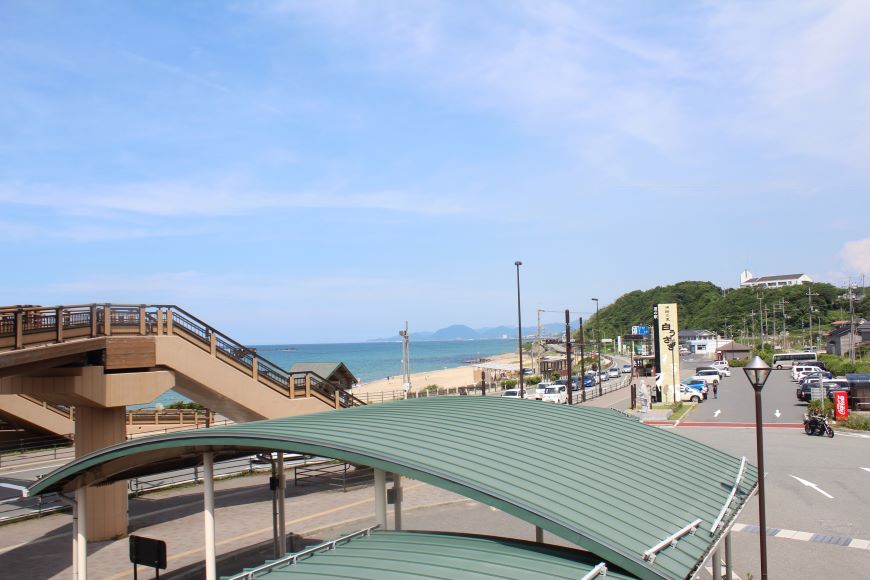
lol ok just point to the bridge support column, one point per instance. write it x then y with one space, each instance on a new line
80 534
208 500
106 505
397 502
729 564
717 564
282 492
381 498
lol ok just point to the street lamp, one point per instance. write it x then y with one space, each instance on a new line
520 333
598 341
757 372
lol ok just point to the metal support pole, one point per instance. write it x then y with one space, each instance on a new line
81 538
520 333
582 365
276 550
729 563
208 500
381 498
717 565
570 388
282 485
762 520
397 504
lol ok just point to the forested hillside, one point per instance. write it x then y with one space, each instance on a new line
703 305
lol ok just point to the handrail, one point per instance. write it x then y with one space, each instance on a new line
671 540
61 410
19 322
731 495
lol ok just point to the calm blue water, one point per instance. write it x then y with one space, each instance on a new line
371 361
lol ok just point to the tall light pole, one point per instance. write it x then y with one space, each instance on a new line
598 340
757 372
520 333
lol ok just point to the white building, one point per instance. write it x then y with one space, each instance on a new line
748 280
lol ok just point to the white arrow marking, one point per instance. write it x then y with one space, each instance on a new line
777 414
866 468
814 486
716 414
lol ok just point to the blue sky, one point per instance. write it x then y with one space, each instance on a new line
323 171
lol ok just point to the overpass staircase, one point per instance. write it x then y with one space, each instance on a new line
209 366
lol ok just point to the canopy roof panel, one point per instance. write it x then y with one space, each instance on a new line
593 476
402 555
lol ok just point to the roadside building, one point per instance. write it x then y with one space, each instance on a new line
747 280
841 340
734 350
334 372
701 341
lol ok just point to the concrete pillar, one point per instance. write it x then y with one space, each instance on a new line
58 319
337 396
208 500
539 534
212 343
282 486
291 387
81 534
19 329
169 321
106 504
307 386
93 320
381 498
107 319
142 315
717 565
255 369
729 563
397 505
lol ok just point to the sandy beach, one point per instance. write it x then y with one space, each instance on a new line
444 378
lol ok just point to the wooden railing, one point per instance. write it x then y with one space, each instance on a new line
26 326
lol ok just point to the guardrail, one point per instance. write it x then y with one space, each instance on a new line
26 326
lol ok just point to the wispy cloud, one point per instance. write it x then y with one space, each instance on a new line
179 198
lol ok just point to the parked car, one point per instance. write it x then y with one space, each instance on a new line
537 392
802 368
626 369
690 395
512 393
711 377
696 384
723 368
613 372
832 385
556 394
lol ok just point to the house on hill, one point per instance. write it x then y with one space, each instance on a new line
747 280
334 372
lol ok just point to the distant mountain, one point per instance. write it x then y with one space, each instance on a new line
463 332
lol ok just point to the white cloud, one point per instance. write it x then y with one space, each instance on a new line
856 255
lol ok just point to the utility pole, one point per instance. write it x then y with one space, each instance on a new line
851 324
406 359
810 295
752 318
761 318
570 386
783 322
582 364
539 323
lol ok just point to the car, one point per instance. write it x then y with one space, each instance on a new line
690 395
684 351
723 368
711 376
556 394
613 372
698 385
603 376
537 392
511 393
802 368
595 377
268 458
626 369
588 381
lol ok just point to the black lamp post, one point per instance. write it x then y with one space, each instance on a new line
520 324
757 372
598 341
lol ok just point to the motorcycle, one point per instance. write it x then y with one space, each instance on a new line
817 425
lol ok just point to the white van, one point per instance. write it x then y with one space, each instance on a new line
798 369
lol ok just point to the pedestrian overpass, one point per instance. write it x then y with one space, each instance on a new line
99 358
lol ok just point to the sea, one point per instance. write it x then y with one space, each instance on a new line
370 361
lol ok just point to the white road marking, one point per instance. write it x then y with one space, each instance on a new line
710 571
813 485
859 435
716 414
777 414
866 468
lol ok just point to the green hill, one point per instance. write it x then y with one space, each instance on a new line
703 305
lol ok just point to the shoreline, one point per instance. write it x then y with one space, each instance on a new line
449 377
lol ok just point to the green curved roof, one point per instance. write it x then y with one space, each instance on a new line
422 555
592 476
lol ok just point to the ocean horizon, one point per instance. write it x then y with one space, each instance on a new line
371 361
